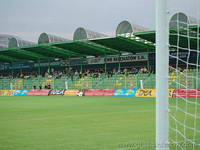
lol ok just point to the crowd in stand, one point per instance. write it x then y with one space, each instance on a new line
72 73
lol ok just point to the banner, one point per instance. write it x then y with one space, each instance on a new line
117 59
151 93
127 58
98 60
38 93
6 92
146 93
16 66
20 92
46 64
56 92
99 92
109 92
125 92
73 92
187 93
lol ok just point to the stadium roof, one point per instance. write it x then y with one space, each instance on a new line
71 49
176 37
139 42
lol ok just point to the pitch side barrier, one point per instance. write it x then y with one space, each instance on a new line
173 93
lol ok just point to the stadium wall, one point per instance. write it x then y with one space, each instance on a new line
173 93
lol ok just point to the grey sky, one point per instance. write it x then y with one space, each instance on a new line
28 18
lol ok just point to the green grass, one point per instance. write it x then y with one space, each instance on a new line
75 123
185 123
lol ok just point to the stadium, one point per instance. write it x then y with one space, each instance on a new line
97 92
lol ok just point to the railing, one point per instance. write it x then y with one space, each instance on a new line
103 82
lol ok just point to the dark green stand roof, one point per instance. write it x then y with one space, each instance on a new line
140 42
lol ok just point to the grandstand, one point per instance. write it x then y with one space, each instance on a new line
91 59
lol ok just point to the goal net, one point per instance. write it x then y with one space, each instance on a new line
184 77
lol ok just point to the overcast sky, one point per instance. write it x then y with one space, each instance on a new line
28 18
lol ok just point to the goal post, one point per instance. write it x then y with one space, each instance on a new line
178 69
162 65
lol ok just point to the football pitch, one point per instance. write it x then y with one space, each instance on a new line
76 123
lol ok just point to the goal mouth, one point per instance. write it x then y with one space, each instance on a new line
184 76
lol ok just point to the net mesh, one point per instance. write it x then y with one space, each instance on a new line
184 77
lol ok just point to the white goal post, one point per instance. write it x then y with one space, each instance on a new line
178 68
162 65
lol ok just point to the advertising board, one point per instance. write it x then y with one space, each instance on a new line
187 93
99 92
73 92
56 92
125 92
6 92
20 92
38 93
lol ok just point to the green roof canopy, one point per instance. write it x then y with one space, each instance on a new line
96 47
124 44
185 38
